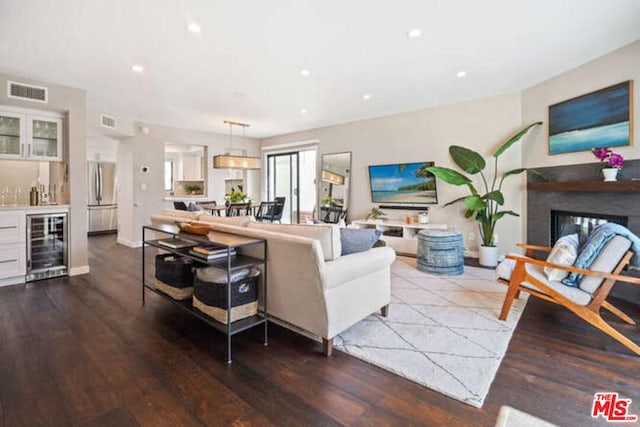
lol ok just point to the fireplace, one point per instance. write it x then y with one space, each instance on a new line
564 223
584 204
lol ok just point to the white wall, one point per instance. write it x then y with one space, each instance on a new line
615 67
101 148
148 150
72 103
425 135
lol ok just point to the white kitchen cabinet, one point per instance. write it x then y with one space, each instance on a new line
44 136
13 254
12 135
30 135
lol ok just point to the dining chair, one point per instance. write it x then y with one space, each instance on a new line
331 214
266 211
210 203
279 208
238 209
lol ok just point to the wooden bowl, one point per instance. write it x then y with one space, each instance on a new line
195 229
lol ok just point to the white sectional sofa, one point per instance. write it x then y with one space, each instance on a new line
311 286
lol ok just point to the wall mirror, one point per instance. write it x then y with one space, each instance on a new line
335 184
185 169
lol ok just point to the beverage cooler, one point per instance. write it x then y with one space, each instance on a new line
47 243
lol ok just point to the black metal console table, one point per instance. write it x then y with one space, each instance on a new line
229 263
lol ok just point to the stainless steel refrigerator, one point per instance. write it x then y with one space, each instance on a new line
101 200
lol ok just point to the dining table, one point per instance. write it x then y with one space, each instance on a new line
222 208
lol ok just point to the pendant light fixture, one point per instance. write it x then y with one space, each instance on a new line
332 177
231 161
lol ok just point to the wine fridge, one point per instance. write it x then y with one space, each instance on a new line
47 244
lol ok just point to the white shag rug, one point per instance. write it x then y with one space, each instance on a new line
442 331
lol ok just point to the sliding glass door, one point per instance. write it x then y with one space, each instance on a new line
292 175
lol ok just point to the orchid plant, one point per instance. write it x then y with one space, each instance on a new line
606 154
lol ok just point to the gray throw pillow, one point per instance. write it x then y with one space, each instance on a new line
358 239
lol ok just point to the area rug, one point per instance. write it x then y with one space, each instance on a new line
442 331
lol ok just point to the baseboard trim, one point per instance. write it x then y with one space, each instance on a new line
18 280
77 271
129 243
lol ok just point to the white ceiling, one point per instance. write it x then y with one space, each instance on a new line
245 64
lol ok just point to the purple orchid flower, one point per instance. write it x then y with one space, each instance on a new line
605 154
601 153
616 161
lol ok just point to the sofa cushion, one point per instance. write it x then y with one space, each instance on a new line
327 234
358 240
178 214
240 221
564 252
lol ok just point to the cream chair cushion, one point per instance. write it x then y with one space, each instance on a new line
578 296
608 258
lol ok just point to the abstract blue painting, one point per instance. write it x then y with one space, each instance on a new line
597 119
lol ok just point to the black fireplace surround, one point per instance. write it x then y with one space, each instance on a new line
610 205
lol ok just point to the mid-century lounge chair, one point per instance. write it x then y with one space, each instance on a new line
585 301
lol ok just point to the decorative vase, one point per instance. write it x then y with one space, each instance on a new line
488 256
610 174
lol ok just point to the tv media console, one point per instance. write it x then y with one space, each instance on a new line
399 235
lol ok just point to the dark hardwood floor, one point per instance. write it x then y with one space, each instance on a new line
82 351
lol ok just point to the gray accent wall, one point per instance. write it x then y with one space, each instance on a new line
540 203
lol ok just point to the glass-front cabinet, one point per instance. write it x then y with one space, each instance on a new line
30 136
46 138
11 135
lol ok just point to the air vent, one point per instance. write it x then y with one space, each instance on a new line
108 121
27 92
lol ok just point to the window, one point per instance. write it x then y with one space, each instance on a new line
168 175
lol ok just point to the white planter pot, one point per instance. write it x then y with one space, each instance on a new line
488 256
610 174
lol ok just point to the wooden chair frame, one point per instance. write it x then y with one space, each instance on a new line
589 313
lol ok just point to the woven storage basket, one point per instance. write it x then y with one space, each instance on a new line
211 297
174 276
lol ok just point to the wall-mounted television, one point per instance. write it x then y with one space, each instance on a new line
403 184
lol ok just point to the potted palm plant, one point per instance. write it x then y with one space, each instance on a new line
375 214
484 208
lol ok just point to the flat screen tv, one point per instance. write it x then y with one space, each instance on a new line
403 184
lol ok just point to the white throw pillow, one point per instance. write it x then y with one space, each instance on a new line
564 252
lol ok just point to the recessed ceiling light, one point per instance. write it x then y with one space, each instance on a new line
305 73
461 74
137 68
303 111
194 27
414 33
366 96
